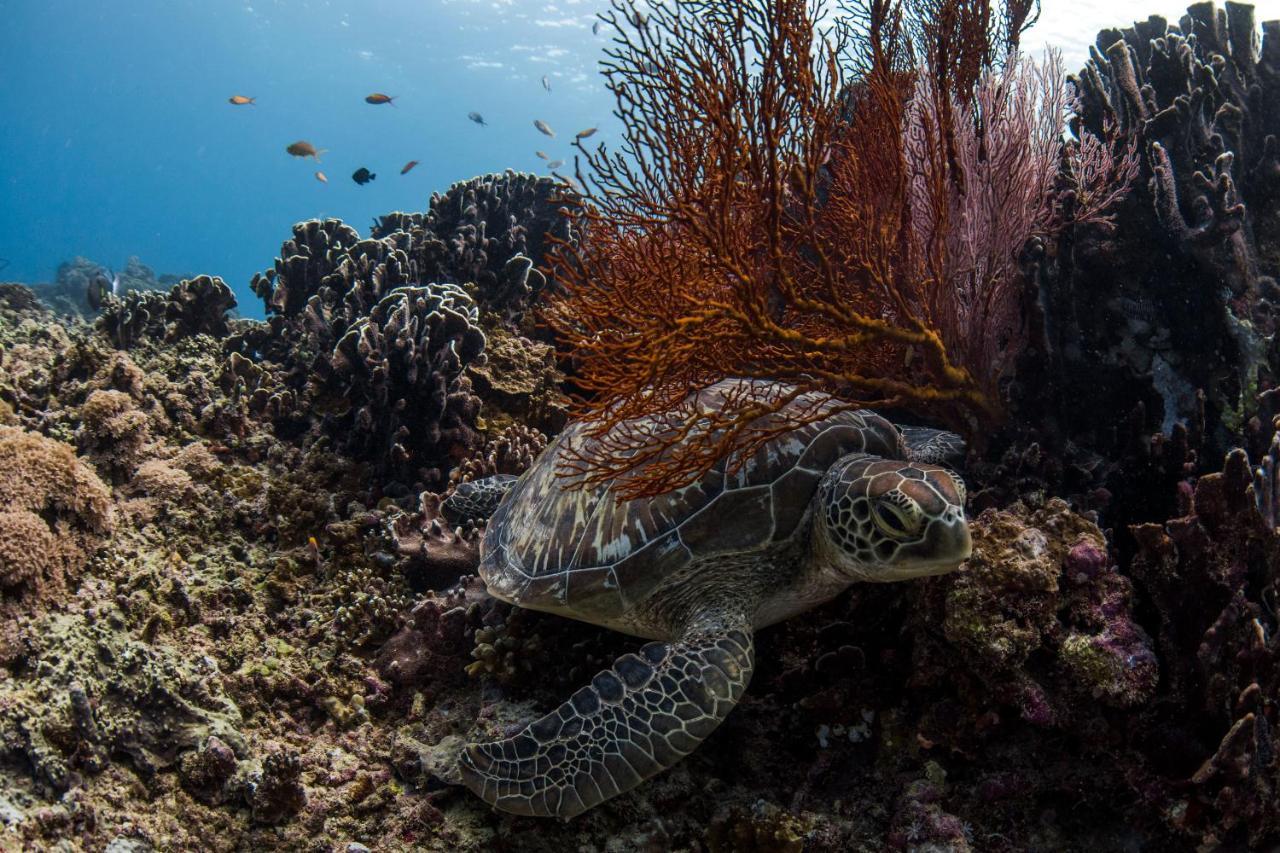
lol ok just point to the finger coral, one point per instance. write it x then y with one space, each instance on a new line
191 307
394 381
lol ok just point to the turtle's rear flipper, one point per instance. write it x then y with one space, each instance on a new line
634 720
476 500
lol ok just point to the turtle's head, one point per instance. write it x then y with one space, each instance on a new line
886 520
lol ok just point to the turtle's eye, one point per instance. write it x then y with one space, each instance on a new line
896 520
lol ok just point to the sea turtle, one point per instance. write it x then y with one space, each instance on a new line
848 497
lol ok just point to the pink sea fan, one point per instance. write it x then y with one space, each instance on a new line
975 203
1099 172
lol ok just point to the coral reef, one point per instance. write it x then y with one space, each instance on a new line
192 307
238 608
1186 329
68 294
394 386
54 515
381 335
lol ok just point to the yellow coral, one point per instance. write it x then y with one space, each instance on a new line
56 512
45 476
26 548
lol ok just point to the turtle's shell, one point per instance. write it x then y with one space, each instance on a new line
577 551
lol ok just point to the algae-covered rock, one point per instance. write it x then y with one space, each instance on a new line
765 828
89 693
1041 616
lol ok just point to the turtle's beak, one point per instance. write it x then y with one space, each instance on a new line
946 544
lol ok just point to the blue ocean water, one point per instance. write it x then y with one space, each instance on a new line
116 137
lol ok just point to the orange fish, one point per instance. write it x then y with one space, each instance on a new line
408 166
583 134
240 100
379 98
321 178
302 148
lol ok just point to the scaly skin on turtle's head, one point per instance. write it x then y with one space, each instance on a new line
887 520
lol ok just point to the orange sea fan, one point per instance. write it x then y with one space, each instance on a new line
763 219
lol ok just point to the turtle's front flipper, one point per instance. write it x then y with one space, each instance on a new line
933 446
634 720
476 500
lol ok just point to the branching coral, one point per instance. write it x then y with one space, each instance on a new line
394 381
192 307
756 223
1196 103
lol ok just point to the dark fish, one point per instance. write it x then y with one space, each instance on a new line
595 28
583 134
555 164
362 176
379 98
477 118
543 127
408 166
302 148
240 100
100 287
542 154
546 83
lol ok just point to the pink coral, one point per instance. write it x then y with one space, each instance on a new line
1006 153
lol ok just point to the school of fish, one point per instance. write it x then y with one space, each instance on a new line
362 176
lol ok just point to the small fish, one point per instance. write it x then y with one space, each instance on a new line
362 176
569 182
240 100
555 164
595 28
379 98
546 83
543 127
641 19
542 154
408 166
477 118
302 148
583 134
320 176
100 287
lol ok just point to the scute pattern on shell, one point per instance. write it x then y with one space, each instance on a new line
573 550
